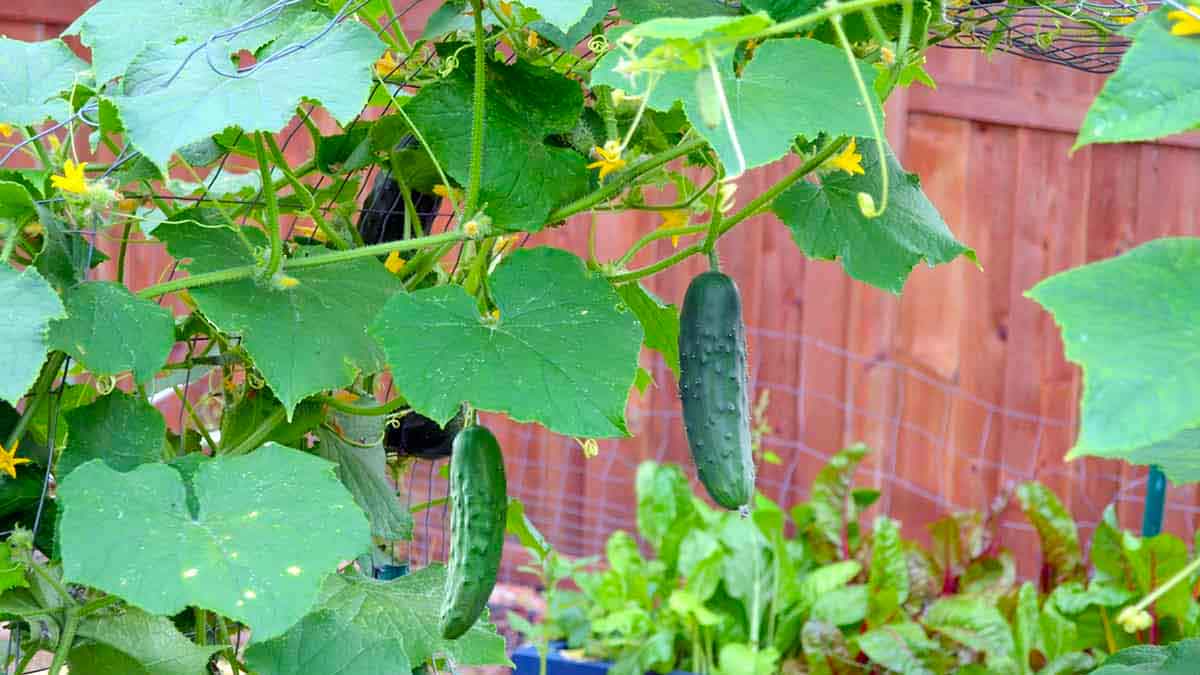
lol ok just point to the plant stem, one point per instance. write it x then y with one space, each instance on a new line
201 626
768 196
271 223
366 411
246 271
98 604
259 435
614 188
231 651
478 109
65 641
655 236
123 251
195 417
40 570
40 389
304 193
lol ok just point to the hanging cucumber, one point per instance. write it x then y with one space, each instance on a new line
713 388
478 506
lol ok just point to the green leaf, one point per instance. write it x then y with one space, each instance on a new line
1073 597
563 352
843 606
974 622
66 256
742 659
289 333
897 647
124 431
16 206
568 39
782 10
141 643
201 102
659 320
115 40
1155 91
640 11
12 572
1154 560
827 223
256 406
524 176
991 577
1026 622
1056 531
1179 658
562 14
30 303
767 113
367 626
517 523
1128 323
110 330
363 470
824 645
33 76
746 570
665 512
832 510
826 579
216 558
887 582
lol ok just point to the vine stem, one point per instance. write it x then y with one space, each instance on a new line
478 109
750 209
40 389
614 188
65 641
366 411
246 271
272 219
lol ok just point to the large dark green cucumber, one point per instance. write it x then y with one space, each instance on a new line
713 388
478 506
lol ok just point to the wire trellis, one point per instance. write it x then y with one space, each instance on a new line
1085 35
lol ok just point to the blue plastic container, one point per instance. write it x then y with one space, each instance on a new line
527 663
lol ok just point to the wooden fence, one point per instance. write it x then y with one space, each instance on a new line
960 384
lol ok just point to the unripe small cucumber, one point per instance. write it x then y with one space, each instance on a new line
713 388
478 506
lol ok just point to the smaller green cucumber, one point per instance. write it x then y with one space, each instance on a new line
478 507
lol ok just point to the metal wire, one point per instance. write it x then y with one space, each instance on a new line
1085 35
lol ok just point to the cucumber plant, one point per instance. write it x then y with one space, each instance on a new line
284 311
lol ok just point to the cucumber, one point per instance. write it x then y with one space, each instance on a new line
478 507
713 388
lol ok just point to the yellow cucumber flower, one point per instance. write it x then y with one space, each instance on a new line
386 65
72 179
394 262
610 159
673 219
506 8
1183 23
9 459
848 160
6 130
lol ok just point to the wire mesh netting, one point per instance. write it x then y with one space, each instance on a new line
1085 35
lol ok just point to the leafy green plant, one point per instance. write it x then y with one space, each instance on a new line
820 593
